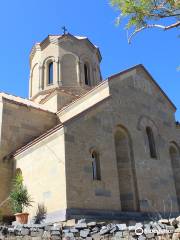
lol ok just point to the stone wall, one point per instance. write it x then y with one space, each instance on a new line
43 170
135 103
163 229
178 133
19 125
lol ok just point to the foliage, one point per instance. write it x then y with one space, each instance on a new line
40 214
143 14
19 197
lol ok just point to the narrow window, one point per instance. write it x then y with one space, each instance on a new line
96 166
86 74
50 74
152 146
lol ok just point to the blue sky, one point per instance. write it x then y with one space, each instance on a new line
22 23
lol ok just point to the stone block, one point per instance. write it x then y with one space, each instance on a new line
91 224
170 228
46 235
95 230
114 229
149 235
177 230
11 230
104 230
55 232
84 233
70 222
36 234
25 231
96 236
55 228
164 221
2 237
80 225
69 235
122 227
55 237
125 233
138 225
141 237
131 228
178 219
74 230
176 236
48 227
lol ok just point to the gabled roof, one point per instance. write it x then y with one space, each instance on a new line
111 78
24 101
150 76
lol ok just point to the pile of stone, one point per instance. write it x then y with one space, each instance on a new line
156 230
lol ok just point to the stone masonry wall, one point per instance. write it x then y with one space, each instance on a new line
131 107
164 229
20 124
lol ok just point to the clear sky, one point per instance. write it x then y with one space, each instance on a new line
22 23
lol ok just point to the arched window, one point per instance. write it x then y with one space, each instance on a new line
86 74
96 166
50 73
151 141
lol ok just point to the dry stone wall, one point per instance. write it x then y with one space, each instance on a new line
154 230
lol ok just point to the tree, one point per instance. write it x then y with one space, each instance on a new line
144 14
19 196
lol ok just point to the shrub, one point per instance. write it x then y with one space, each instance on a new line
19 197
40 214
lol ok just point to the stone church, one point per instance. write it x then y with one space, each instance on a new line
86 146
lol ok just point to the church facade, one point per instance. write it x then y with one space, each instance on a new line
87 146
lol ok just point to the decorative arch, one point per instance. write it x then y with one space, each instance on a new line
126 170
174 152
150 133
48 60
34 79
48 70
145 121
69 70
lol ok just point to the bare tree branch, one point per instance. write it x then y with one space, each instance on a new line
165 28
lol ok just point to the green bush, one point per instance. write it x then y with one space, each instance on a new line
19 197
